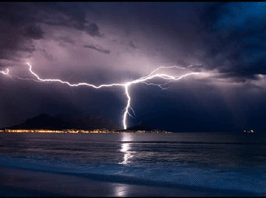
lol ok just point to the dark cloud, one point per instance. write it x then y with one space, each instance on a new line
63 14
34 32
13 45
66 39
188 27
131 44
21 24
234 40
18 30
196 68
17 14
224 39
97 48
212 13
228 37
93 30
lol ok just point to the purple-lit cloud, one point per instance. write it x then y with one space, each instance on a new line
115 42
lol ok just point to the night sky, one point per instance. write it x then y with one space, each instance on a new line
118 42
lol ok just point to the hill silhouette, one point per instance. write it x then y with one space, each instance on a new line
140 126
60 122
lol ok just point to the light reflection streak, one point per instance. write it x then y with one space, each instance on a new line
127 154
121 191
125 147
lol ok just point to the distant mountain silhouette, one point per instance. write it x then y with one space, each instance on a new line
60 122
140 126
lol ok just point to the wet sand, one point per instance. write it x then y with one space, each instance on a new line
23 182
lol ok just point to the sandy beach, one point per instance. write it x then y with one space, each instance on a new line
23 182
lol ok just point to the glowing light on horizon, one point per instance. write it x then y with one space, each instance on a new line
125 85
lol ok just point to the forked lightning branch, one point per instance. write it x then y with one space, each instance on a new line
125 85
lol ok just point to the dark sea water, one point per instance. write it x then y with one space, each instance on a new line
214 160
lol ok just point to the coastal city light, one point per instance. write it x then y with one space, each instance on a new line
76 131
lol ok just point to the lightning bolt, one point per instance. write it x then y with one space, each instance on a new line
5 73
125 85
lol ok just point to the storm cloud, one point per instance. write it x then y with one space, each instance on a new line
97 48
224 36
116 42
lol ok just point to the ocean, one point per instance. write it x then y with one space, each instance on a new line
216 161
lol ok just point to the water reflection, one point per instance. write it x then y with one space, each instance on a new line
121 190
125 147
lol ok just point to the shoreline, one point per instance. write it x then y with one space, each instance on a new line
77 131
26 182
